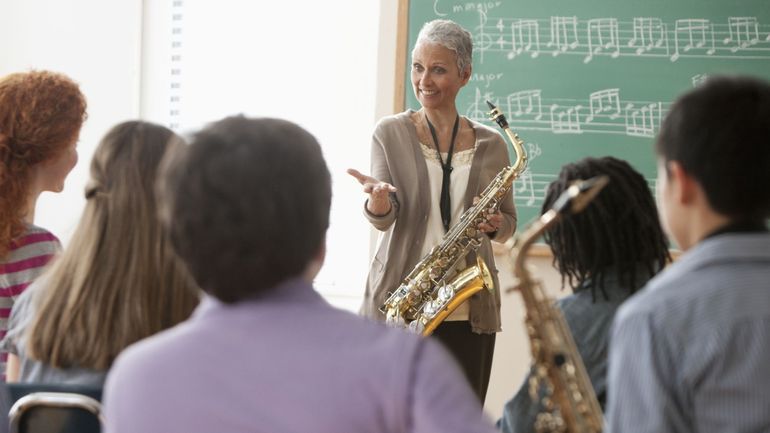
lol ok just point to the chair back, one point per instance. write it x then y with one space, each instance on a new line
45 408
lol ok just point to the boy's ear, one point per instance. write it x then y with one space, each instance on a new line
685 187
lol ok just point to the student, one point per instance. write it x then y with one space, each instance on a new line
41 113
247 207
115 283
689 353
592 252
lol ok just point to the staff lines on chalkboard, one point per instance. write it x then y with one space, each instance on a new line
530 189
740 38
603 112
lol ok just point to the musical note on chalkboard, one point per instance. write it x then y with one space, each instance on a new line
525 37
565 120
525 102
563 35
604 101
649 34
744 32
602 36
697 33
642 121
525 190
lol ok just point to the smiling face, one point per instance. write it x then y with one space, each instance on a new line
436 80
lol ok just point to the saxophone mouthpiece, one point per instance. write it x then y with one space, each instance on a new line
575 198
497 115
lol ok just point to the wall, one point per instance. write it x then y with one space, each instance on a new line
265 59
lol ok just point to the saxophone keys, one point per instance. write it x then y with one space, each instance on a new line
416 326
431 308
435 273
413 297
446 293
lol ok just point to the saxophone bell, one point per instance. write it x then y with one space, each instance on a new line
451 295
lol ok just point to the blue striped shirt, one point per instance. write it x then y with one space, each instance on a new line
690 352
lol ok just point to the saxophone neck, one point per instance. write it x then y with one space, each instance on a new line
518 148
518 144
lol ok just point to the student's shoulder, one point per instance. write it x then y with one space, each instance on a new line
668 302
157 353
380 336
390 347
38 239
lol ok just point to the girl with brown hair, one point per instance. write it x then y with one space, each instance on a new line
116 283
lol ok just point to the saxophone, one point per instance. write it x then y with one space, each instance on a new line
569 401
427 295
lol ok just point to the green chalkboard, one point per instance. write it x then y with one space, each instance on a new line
580 78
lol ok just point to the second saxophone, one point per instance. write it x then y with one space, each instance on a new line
570 401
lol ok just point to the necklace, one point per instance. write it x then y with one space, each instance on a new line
446 168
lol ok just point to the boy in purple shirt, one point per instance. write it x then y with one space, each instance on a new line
247 208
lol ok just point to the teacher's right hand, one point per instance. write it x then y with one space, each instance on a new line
379 200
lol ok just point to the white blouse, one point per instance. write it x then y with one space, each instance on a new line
458 184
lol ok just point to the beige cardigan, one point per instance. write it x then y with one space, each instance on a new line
397 159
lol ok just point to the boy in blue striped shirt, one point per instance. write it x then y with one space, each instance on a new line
689 353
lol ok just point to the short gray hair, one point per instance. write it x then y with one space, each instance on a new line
451 35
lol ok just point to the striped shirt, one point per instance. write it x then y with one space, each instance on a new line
690 352
28 255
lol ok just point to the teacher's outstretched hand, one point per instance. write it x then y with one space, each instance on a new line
379 200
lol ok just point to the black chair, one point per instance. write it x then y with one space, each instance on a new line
45 408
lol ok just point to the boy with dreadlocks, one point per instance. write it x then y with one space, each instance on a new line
690 352
604 253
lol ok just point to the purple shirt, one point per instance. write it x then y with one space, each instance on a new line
287 362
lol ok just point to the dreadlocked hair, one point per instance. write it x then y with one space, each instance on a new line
618 232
